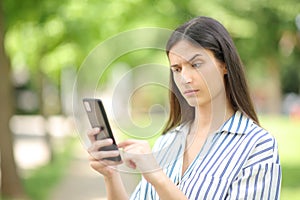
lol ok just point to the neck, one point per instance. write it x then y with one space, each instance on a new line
210 117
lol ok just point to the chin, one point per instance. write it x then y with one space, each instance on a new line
192 103
196 102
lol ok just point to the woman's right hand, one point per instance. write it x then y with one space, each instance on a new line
97 158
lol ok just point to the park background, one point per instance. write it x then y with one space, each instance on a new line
44 43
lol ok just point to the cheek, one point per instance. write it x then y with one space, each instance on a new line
177 79
214 82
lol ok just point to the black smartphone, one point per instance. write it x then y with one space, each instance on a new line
98 119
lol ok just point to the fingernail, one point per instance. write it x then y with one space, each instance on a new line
109 140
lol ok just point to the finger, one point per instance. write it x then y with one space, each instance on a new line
132 148
130 164
126 143
111 163
137 146
91 134
91 158
98 164
128 160
104 162
100 143
100 155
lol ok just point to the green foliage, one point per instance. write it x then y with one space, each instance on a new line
51 35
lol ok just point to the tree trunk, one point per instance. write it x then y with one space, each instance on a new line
41 82
274 87
10 181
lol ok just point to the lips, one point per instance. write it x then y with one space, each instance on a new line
190 92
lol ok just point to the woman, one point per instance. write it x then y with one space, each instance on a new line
212 146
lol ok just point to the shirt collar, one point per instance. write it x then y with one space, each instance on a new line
183 128
237 124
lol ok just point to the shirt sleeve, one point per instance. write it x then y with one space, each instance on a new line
261 176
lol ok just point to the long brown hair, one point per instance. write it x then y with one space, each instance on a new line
211 35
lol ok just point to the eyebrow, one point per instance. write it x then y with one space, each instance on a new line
195 56
190 60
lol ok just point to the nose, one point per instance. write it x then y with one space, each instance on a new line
186 75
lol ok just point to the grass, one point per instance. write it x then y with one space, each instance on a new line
39 182
286 131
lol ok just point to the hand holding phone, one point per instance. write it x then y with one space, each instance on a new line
98 119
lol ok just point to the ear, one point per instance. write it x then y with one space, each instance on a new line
224 68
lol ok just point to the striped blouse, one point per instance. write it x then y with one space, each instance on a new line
240 161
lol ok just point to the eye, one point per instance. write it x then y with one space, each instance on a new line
197 65
176 69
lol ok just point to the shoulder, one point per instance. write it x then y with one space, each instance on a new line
259 135
264 147
242 125
255 143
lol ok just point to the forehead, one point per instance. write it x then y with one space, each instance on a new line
185 50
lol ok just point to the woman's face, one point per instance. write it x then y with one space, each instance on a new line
197 73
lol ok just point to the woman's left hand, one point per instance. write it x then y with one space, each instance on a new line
138 155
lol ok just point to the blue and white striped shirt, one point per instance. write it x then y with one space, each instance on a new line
240 161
